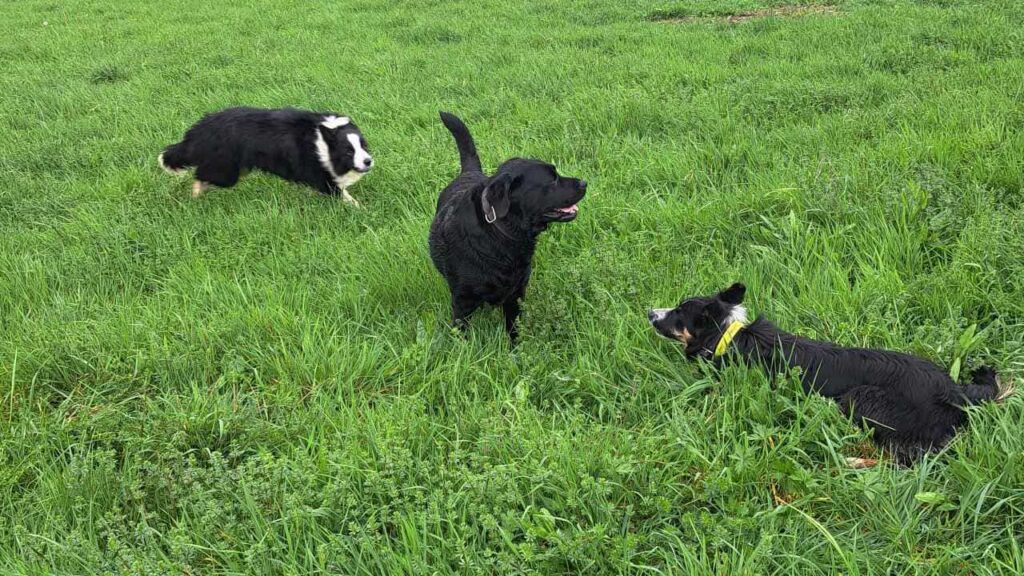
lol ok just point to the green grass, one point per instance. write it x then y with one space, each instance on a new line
264 381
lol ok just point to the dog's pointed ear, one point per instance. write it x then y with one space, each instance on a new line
733 294
495 198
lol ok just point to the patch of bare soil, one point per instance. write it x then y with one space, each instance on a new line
776 12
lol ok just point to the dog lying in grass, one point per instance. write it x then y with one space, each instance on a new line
486 227
911 404
321 150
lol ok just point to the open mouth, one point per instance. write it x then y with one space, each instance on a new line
563 214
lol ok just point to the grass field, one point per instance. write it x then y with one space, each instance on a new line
264 381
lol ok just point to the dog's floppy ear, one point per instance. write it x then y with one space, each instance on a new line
495 198
733 294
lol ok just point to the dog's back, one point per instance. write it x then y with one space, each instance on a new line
454 215
242 136
912 404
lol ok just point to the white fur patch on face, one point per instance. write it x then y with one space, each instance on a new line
361 159
332 122
658 314
737 314
323 153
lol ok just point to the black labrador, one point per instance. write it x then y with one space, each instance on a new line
486 227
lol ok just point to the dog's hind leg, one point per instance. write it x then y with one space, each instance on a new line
985 386
985 376
198 187
221 175
898 426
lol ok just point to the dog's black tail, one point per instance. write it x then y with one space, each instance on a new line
985 387
464 140
173 159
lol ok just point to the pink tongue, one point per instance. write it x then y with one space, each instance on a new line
570 210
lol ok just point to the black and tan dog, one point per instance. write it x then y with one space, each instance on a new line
912 405
486 227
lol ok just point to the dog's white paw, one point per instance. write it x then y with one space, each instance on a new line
859 463
1005 390
198 188
349 199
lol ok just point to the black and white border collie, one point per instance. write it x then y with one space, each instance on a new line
911 404
321 150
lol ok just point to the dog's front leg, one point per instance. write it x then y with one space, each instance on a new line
327 187
348 198
331 188
463 306
512 310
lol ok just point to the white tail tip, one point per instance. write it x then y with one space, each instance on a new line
168 169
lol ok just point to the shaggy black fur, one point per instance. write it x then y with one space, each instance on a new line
911 404
486 227
321 150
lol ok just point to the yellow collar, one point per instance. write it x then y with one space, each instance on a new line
727 337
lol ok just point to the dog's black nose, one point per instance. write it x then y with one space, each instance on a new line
651 315
583 184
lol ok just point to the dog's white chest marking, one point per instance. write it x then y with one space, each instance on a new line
737 314
344 181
